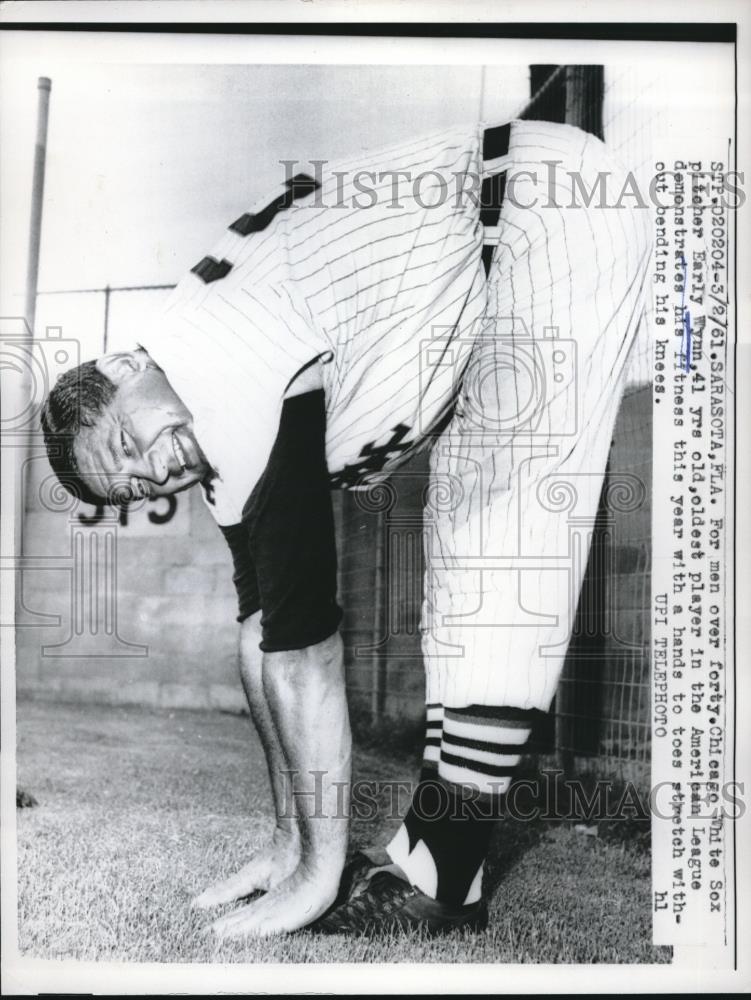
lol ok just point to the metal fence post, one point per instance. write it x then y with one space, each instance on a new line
378 663
105 344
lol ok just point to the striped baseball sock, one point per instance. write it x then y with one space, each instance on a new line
433 730
470 757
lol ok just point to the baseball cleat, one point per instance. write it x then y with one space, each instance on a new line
353 880
388 902
354 877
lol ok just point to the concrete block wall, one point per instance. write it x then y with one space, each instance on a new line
381 589
136 612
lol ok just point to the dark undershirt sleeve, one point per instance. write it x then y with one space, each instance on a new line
244 576
284 550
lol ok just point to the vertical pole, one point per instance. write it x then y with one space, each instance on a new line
574 89
37 195
23 449
12 458
378 679
584 97
107 291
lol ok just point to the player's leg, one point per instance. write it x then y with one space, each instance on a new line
275 861
527 451
506 559
306 697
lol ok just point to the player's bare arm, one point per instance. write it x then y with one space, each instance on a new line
304 693
291 845
296 695
276 860
300 841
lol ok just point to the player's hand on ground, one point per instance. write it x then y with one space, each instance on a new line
293 904
269 866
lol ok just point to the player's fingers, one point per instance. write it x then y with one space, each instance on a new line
243 921
226 891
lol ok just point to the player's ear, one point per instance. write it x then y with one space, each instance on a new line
121 365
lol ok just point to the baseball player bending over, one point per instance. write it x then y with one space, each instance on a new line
461 300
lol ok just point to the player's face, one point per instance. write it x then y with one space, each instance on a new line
143 443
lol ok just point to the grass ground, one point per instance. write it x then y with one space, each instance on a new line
138 810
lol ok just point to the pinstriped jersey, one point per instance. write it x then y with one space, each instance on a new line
362 264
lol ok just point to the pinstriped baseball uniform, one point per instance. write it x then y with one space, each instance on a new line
525 453
516 478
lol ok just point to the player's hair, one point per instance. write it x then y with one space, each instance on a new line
77 400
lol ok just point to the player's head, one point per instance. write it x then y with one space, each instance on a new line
115 429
